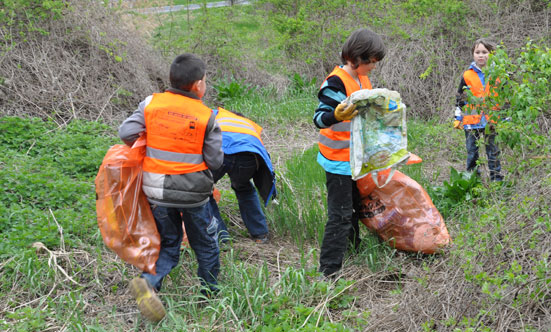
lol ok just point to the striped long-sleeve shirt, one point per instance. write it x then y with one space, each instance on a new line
331 93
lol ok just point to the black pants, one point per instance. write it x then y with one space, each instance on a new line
343 201
242 167
492 151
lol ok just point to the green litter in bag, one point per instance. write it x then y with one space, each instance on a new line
378 134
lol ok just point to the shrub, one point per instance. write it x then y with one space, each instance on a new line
522 104
73 60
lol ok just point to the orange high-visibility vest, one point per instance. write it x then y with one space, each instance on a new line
231 122
475 85
176 127
334 142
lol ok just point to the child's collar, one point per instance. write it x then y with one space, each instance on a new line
474 67
183 93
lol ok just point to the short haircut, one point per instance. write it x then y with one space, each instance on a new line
490 46
362 46
185 70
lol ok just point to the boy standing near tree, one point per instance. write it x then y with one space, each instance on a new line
183 146
471 118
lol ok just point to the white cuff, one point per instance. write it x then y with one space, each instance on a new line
458 111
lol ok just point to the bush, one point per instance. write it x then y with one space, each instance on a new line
524 93
522 102
73 60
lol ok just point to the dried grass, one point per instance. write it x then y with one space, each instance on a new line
72 73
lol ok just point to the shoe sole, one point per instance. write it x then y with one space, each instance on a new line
149 303
261 240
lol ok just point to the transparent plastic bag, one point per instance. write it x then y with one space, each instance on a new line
378 134
402 214
124 216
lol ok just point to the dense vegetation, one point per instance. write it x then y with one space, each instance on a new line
71 70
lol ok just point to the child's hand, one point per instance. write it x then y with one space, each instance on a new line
343 114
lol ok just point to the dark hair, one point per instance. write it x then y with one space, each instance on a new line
490 46
362 46
185 70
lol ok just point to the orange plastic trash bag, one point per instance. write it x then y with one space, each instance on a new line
402 214
124 216
216 194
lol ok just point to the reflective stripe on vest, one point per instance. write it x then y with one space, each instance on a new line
231 122
176 127
478 90
334 142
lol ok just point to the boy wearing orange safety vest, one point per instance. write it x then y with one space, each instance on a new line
360 53
184 144
472 120
245 159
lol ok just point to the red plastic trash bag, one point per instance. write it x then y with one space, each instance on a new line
124 215
402 214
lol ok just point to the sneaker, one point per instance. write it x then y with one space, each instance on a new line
262 239
149 303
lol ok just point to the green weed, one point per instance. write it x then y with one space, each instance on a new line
302 84
229 89
462 189
47 179
27 15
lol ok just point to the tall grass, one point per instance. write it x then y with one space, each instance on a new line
301 211
268 105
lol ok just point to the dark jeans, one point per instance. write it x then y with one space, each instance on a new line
223 234
492 152
343 202
201 230
241 167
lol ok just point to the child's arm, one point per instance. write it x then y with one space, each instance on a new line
330 95
212 145
134 125
460 98
460 101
